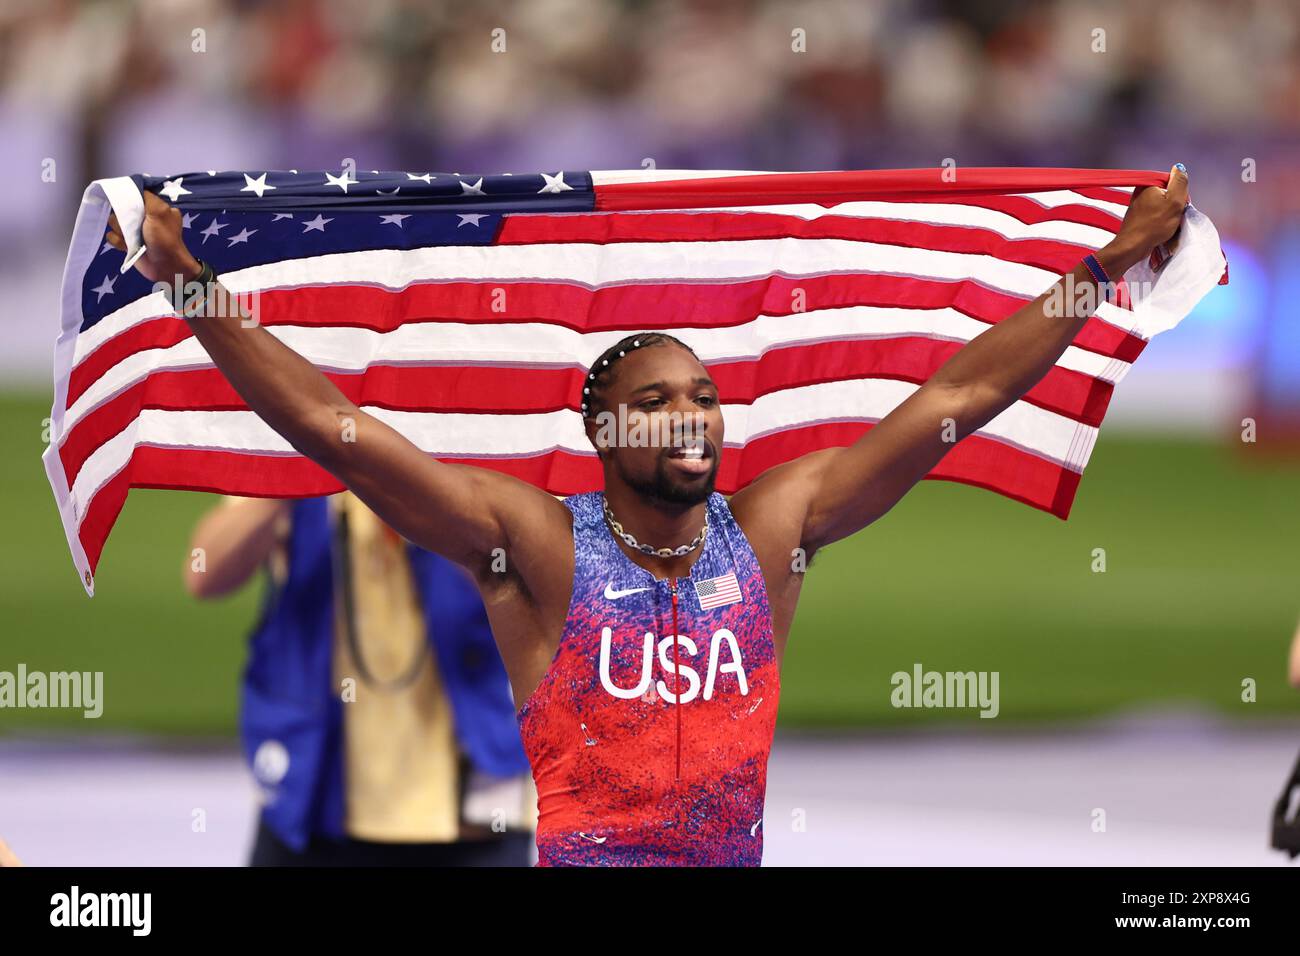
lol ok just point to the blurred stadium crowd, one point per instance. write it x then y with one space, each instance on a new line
106 87
706 83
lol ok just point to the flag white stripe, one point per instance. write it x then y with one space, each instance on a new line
934 214
607 177
1036 430
1055 198
603 266
538 344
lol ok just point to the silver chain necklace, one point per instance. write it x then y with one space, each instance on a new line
633 543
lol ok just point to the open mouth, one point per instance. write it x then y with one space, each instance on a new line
693 458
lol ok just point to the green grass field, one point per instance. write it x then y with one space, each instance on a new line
1202 590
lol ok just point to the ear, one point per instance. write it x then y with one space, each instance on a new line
592 427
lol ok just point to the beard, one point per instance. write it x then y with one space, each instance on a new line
667 488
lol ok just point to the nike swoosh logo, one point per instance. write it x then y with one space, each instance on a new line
612 595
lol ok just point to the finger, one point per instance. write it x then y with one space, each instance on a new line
155 205
1177 190
115 240
112 222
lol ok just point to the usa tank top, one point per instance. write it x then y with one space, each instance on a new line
648 750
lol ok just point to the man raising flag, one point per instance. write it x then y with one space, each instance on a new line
601 592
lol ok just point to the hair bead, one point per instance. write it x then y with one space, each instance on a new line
619 350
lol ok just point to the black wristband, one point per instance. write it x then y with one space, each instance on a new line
203 280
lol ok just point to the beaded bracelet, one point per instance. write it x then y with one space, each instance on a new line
1100 276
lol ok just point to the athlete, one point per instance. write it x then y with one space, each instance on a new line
642 627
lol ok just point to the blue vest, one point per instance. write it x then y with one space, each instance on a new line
291 714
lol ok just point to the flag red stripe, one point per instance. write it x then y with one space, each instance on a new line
512 390
978 461
1051 254
942 184
632 308
1032 213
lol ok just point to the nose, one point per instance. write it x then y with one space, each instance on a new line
694 425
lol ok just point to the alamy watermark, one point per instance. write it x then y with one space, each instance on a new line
949 689
639 429
74 908
76 690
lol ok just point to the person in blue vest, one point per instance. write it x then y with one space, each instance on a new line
375 714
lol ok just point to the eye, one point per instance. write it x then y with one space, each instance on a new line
650 403
708 401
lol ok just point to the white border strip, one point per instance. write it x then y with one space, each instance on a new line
100 198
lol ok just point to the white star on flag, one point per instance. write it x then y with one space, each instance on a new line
475 190
281 215
395 219
554 184
257 185
173 189
426 177
242 237
317 224
469 218
341 181
104 289
187 219
214 227
391 192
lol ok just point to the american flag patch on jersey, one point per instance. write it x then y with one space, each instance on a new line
718 592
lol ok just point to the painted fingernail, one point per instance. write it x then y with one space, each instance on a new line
1180 167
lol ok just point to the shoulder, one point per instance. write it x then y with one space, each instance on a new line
533 539
788 488
524 505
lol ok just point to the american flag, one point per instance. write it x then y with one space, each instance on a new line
718 592
463 309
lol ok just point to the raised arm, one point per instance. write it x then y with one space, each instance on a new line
839 491
461 512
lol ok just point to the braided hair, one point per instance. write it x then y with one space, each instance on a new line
601 373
